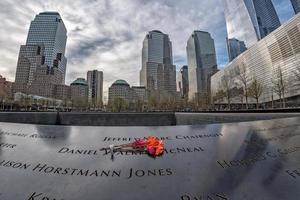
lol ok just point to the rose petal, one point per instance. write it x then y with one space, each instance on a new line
139 143
151 150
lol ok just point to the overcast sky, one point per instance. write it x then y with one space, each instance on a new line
107 34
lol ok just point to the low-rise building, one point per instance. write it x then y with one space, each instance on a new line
79 90
62 92
5 88
119 89
38 100
139 93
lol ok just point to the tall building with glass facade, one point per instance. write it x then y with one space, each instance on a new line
95 83
183 81
49 30
250 20
296 5
157 48
202 63
42 63
273 62
235 48
158 74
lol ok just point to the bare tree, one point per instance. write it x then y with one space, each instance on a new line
255 90
280 85
243 78
218 97
297 75
240 93
226 87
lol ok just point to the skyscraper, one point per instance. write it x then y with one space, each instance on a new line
49 30
250 20
30 58
41 63
158 74
95 83
157 48
202 63
296 5
183 81
235 48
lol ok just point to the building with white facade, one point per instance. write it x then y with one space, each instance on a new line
276 57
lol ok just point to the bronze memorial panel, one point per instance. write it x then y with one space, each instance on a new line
251 160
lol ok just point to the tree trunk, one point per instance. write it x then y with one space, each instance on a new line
283 99
246 101
280 100
228 100
257 103
242 101
272 101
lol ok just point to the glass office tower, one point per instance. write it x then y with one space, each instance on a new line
235 48
158 74
157 48
250 20
183 81
49 30
296 5
202 63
